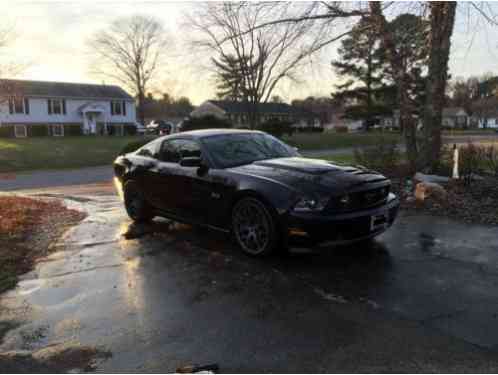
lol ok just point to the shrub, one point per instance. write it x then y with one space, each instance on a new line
384 156
341 129
277 128
491 159
130 130
472 160
7 131
135 145
205 122
37 131
72 130
310 129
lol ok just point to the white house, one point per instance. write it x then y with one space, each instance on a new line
487 121
30 108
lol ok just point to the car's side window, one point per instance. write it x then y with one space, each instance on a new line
188 149
173 150
169 152
149 150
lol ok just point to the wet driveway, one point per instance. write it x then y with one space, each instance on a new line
423 297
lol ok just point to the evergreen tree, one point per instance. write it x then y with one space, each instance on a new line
410 34
361 62
371 88
230 77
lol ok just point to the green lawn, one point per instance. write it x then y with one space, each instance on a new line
56 153
321 141
36 153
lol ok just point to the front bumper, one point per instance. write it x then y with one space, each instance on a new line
312 229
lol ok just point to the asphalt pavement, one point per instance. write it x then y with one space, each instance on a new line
422 298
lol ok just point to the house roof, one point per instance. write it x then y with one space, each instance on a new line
61 89
263 108
453 111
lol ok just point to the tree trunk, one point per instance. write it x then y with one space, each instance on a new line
141 109
442 19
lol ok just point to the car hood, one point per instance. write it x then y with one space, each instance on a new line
313 175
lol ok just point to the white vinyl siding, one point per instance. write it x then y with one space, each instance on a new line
38 112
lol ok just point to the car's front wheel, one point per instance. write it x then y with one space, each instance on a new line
136 206
254 227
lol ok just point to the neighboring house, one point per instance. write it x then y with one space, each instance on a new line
339 121
488 120
32 108
238 113
455 117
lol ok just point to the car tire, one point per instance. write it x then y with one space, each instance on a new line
254 227
136 206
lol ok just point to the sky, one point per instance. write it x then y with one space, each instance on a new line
50 40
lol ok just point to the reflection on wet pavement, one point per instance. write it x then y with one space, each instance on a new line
148 291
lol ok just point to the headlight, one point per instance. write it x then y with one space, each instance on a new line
311 204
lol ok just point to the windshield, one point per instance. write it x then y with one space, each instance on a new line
231 150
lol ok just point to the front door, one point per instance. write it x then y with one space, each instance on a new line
92 123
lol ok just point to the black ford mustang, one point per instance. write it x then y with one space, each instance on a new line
255 186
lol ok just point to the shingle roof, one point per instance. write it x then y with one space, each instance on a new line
263 108
61 89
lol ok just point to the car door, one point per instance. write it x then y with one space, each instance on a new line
163 184
145 165
202 195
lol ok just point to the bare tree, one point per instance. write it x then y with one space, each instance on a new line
8 69
422 152
264 57
130 51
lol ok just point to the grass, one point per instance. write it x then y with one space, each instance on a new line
331 140
341 158
56 153
17 155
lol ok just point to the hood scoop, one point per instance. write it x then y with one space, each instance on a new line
303 165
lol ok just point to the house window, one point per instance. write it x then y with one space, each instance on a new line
58 130
118 108
20 131
18 105
56 107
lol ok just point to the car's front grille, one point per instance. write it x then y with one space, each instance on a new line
359 200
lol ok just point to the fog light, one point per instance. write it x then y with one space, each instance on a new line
344 200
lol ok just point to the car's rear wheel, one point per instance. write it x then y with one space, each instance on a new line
136 206
254 227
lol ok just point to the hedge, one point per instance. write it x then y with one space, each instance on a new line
7 131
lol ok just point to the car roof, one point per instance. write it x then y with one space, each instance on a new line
210 132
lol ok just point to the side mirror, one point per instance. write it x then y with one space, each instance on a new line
191 162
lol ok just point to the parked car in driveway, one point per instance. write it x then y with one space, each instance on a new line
160 127
255 186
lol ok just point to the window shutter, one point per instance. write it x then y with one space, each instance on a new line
64 106
26 106
49 102
124 108
11 105
112 109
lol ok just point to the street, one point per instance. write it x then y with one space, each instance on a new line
422 298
